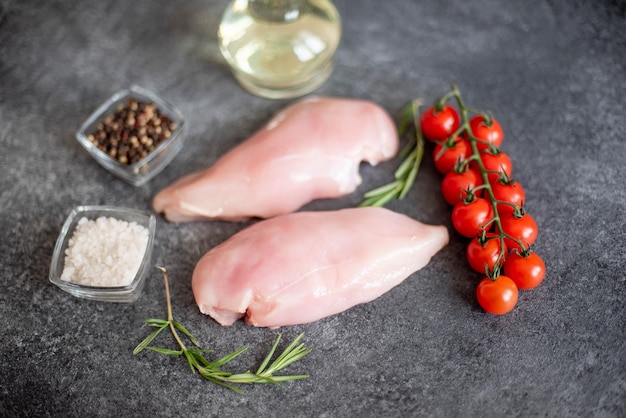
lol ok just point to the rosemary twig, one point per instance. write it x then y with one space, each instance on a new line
412 155
211 370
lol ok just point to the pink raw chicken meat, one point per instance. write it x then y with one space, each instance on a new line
310 150
301 267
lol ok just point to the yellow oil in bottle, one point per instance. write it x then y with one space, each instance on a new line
280 48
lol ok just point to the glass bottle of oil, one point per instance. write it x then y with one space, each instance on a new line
280 48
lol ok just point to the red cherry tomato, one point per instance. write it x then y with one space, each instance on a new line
496 163
484 253
438 126
446 159
523 229
526 270
454 185
469 218
510 192
497 296
492 134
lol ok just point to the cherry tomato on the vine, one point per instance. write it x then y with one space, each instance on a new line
469 218
496 163
497 296
523 229
527 270
454 185
439 125
446 159
509 192
489 133
480 254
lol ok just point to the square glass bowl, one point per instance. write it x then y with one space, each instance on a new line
127 293
145 169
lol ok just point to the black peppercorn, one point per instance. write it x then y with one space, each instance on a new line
132 132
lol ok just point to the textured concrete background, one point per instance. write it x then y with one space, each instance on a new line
553 73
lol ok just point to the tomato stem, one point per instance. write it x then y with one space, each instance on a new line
442 102
486 186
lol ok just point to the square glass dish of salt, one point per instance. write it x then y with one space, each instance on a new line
134 134
104 253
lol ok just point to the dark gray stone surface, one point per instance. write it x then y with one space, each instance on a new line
553 72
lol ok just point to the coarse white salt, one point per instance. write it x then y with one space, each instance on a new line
105 252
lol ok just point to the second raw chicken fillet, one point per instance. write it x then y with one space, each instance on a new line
304 266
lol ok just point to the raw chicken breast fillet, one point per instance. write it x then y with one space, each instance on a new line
301 267
309 150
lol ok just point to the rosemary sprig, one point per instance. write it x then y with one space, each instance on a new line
211 371
412 155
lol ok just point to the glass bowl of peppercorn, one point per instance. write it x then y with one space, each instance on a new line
134 134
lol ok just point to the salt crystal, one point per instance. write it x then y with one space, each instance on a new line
106 252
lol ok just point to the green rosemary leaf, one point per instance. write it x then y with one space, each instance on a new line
198 355
382 189
416 157
193 365
293 356
405 119
153 322
292 353
182 329
146 342
211 378
249 378
165 351
408 183
385 198
402 171
368 202
288 378
227 358
269 356
216 373
406 150
288 351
